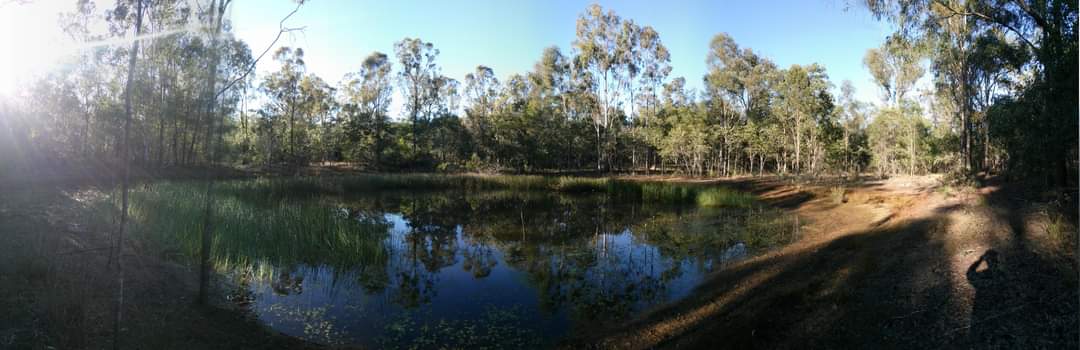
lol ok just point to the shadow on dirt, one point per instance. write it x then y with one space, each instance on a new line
894 286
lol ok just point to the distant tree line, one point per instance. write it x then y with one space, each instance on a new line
1003 99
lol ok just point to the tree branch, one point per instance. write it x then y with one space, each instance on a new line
281 30
987 19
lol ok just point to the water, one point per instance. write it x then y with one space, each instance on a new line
463 268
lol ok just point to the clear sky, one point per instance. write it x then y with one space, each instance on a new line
509 36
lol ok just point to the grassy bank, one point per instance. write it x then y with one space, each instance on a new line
706 195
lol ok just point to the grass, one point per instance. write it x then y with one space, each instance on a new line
581 184
838 194
724 197
263 190
1060 232
255 224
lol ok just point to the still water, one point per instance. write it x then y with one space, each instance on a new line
400 269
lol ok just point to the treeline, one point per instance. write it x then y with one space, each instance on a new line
1003 98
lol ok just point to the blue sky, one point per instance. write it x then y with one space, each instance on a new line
510 35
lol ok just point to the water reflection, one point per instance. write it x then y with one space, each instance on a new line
502 269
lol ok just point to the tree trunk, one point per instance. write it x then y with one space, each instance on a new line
124 181
211 155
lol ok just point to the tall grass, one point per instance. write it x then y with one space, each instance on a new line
725 197
263 190
582 184
282 232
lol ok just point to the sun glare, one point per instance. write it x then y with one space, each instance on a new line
30 31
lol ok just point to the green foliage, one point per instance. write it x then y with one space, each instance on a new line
1011 93
579 184
900 141
257 222
724 197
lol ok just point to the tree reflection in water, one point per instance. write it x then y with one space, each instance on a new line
399 264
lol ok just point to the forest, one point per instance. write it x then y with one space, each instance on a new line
1001 101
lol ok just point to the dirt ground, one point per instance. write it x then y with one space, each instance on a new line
899 263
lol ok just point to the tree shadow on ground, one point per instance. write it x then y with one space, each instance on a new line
894 286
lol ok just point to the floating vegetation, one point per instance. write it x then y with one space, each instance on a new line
496 328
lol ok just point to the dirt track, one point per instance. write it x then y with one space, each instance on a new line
900 264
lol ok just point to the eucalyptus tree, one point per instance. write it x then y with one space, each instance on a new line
896 66
894 151
601 61
480 93
1046 104
417 77
551 79
126 163
284 105
803 96
628 50
555 100
366 97
318 108
742 78
998 68
447 140
853 115
655 61
739 74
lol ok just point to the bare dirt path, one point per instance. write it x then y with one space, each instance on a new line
901 264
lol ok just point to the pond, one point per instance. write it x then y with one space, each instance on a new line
459 265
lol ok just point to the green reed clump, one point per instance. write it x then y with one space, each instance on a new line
669 193
724 197
283 231
512 182
377 182
651 192
582 184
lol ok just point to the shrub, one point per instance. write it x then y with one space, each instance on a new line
838 194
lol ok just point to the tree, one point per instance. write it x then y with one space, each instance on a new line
481 92
125 179
895 66
1047 29
802 97
318 107
894 152
739 79
601 62
285 103
366 98
853 116
417 77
